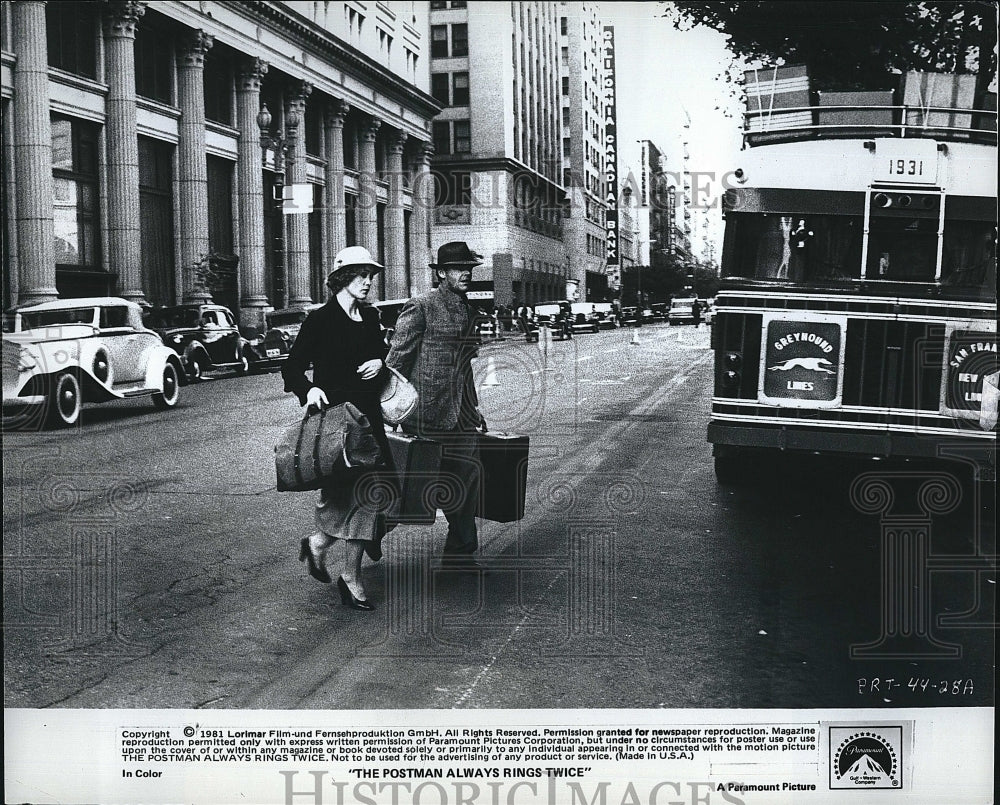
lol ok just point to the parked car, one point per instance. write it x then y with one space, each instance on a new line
556 316
63 354
681 310
630 315
659 310
281 328
708 310
648 316
584 317
605 314
204 335
388 313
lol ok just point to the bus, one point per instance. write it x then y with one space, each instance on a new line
857 308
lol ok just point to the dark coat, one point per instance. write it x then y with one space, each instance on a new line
433 346
335 346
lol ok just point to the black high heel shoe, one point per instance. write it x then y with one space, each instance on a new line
347 597
316 571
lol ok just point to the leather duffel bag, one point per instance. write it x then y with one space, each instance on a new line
324 447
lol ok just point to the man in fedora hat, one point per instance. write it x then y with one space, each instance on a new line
434 344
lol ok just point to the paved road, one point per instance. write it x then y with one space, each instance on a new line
149 562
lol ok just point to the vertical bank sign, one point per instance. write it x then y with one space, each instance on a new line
610 149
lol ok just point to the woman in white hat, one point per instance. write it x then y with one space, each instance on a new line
342 342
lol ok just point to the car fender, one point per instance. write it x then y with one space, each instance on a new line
158 357
96 385
194 348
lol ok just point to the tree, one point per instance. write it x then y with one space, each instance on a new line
855 45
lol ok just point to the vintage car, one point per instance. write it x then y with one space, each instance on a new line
556 316
606 315
68 352
682 310
584 317
388 313
281 329
204 335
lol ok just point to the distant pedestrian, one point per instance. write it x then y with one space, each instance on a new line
696 312
433 346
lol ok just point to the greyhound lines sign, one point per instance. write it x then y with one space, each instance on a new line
802 361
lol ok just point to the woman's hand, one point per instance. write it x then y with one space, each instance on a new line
316 398
370 369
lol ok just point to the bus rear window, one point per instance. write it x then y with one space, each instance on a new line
969 256
813 248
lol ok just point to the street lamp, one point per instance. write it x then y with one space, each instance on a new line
283 146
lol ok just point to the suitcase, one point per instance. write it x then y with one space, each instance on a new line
504 461
417 463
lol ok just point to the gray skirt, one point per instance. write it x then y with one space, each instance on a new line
354 511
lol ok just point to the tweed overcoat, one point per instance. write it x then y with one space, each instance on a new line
433 346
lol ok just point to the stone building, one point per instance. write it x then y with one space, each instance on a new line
133 159
497 144
583 146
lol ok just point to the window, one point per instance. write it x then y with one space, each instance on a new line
463 141
969 257
218 81
460 39
803 249
384 42
458 4
152 64
564 54
437 5
219 173
460 89
566 146
71 30
563 26
313 122
75 208
565 85
441 133
439 41
439 88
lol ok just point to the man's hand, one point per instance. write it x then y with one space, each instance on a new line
370 369
316 398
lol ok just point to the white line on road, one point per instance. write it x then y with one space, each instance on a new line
585 358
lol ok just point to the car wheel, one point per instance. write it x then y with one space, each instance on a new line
65 400
195 368
171 388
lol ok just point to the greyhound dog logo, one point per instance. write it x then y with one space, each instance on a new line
812 364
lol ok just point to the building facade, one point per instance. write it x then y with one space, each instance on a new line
583 145
497 158
135 164
665 202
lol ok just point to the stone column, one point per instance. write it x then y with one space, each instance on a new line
192 171
396 279
33 156
124 252
423 208
333 193
367 213
299 290
250 191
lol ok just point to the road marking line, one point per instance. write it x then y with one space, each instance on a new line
585 358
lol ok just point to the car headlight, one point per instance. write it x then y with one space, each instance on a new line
176 338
